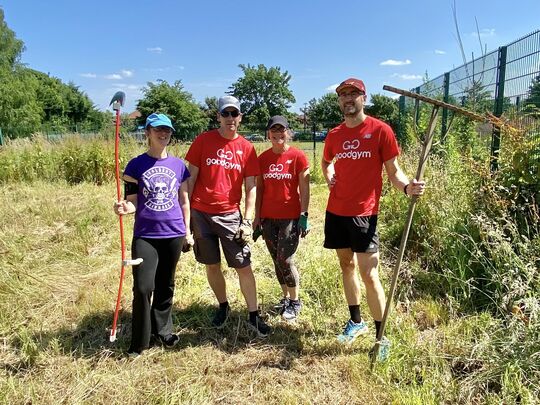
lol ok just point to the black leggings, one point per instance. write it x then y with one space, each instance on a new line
282 238
155 275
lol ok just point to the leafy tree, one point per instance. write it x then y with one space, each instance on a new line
384 108
65 106
210 110
10 47
263 92
324 112
178 104
20 113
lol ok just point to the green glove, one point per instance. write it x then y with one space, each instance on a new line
303 225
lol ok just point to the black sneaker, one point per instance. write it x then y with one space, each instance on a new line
291 311
170 340
259 326
221 316
281 305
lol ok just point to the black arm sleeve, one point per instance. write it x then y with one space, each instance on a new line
130 188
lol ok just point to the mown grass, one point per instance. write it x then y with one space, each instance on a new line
59 265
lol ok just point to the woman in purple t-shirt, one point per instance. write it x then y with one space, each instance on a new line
156 191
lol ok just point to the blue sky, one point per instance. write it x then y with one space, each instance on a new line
105 46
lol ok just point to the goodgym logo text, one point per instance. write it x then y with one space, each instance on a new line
350 151
224 158
275 171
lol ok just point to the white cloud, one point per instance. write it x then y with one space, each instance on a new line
126 73
164 69
407 76
88 75
113 76
156 49
485 32
393 62
124 86
439 52
332 87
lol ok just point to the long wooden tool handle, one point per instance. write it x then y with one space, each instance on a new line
426 147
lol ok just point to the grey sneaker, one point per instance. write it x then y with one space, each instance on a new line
291 311
260 327
221 317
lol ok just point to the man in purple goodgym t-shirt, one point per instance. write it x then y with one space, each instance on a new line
156 191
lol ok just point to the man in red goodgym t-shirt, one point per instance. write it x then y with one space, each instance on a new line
353 158
221 162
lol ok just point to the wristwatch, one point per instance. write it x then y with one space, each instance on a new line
305 213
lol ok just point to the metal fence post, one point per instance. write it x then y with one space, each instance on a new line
1 138
498 107
446 96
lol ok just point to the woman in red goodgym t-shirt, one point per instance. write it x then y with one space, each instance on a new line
281 209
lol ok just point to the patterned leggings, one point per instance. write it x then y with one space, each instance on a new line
281 237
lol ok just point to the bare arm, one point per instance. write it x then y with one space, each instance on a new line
258 201
194 172
251 195
328 172
183 198
400 180
303 185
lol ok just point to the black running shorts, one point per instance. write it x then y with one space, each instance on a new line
357 233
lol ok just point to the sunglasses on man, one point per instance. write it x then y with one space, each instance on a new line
233 114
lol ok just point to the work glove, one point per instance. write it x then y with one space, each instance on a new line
244 232
188 243
303 225
257 233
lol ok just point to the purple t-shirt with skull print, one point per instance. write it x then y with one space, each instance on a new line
158 212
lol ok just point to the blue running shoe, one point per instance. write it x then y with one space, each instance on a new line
352 331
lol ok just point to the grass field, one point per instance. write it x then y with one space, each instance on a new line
59 270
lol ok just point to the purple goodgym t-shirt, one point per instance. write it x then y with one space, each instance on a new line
158 212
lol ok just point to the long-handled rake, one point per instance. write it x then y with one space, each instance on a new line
424 154
117 102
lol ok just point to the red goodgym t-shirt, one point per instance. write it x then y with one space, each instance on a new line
280 175
358 154
223 164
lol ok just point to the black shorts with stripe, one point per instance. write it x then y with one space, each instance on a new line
357 233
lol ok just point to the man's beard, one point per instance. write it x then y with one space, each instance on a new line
350 110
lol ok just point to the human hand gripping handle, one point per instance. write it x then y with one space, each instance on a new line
123 207
415 188
244 232
303 225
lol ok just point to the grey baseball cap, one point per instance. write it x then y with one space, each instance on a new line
228 101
